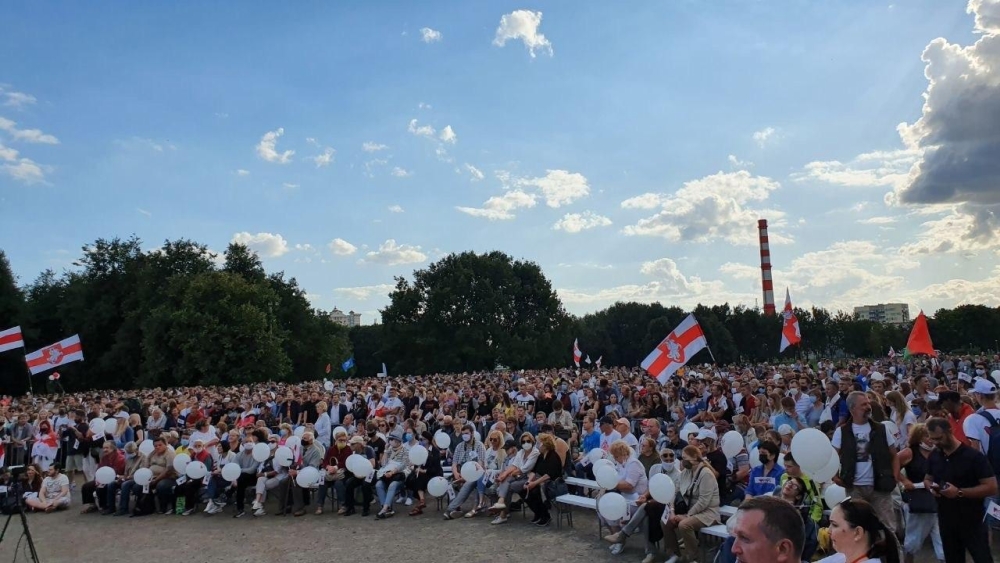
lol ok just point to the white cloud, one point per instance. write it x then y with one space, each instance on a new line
523 25
878 168
395 209
558 187
341 247
143 212
422 105
364 292
401 172
763 136
391 254
142 143
448 135
576 222
737 163
7 153
475 173
370 146
877 221
305 247
644 201
289 186
266 244
18 99
499 208
420 130
26 135
713 207
24 170
324 159
950 234
266 148
428 35
242 172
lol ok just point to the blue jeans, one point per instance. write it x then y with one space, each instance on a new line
165 494
128 489
463 495
339 487
386 493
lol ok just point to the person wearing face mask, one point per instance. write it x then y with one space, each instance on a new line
633 485
921 519
248 475
395 468
514 478
422 474
789 416
191 488
335 472
699 490
311 456
560 418
269 476
765 477
469 450
93 493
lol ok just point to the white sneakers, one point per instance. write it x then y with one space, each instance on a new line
409 501
214 508
673 559
499 520
259 511
257 505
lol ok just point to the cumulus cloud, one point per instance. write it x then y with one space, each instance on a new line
500 208
391 254
341 247
16 100
401 172
428 35
266 244
7 153
558 187
366 291
395 209
26 135
764 136
576 222
448 135
242 172
710 208
475 174
878 168
371 146
644 201
324 159
737 163
24 170
267 151
523 25
420 130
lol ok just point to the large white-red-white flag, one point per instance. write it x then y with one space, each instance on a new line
676 349
790 333
577 354
55 355
11 338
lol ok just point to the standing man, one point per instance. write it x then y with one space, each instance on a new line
957 411
868 463
960 477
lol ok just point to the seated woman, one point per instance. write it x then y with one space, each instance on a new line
31 481
54 493
422 474
548 470
94 493
46 446
633 485
514 477
191 488
699 490
469 450
487 486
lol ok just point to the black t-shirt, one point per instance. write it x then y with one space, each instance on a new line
963 469
429 406
720 465
409 403
310 409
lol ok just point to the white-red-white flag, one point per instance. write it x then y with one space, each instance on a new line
55 355
892 353
790 333
577 354
11 338
598 361
676 349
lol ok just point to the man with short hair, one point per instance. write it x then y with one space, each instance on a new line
960 477
768 530
958 411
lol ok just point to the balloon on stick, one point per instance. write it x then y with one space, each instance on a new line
811 449
261 452
612 506
180 463
437 487
662 488
231 471
471 471
146 447
105 475
418 455
606 477
732 443
143 476
834 495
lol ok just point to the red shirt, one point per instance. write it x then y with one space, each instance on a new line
956 423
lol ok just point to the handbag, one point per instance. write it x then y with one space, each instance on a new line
681 505
920 501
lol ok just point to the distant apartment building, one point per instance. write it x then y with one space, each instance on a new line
888 313
350 319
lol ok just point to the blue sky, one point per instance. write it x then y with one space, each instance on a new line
628 151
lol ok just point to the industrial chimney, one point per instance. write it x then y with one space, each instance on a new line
765 269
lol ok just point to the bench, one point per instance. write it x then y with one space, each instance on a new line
569 500
583 483
711 539
728 511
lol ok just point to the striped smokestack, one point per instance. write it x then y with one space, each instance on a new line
765 269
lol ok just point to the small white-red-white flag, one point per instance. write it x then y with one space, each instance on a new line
598 361
577 354
993 509
790 333
55 355
676 349
892 353
11 338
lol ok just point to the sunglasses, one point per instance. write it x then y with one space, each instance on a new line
526 442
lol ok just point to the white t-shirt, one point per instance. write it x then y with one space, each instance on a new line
975 426
864 471
53 486
608 439
909 419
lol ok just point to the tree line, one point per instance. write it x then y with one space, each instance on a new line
179 315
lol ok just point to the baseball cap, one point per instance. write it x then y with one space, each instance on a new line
784 430
984 386
707 434
876 376
357 440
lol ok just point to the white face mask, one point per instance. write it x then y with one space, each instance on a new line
668 465
526 446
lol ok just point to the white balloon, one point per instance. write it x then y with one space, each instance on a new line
180 463
418 455
604 461
261 452
662 488
328 386
142 476
196 470
97 427
811 449
359 466
437 487
442 440
283 456
606 477
146 447
308 477
828 471
781 459
612 506
834 495
732 443
299 431
105 475
755 458
689 428
471 471
231 471
595 455
479 437
293 442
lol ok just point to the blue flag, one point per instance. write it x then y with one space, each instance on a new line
348 364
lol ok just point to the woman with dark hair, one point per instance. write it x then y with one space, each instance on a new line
858 534
548 469
422 474
921 518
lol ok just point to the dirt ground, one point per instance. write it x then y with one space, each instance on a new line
70 537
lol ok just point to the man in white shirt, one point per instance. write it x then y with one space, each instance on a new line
975 425
392 403
608 433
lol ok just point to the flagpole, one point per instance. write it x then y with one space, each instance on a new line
711 354
30 387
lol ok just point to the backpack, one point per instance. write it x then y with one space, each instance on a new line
993 433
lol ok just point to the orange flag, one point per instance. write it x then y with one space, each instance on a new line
920 338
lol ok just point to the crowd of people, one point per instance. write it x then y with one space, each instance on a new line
913 440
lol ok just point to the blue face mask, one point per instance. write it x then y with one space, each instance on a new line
284 432
407 437
184 442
